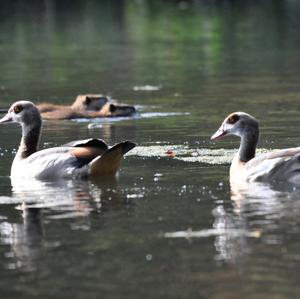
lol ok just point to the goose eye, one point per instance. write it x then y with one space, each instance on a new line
233 119
18 109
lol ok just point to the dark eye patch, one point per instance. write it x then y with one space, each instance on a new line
18 109
232 119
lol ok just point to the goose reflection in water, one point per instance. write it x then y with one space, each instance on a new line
24 239
42 201
259 212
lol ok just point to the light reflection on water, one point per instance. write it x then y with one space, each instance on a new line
40 202
260 213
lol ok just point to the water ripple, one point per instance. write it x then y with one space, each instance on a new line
98 121
212 232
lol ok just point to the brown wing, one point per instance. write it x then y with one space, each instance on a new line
87 150
86 154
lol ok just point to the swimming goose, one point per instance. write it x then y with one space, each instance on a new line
86 106
82 158
280 165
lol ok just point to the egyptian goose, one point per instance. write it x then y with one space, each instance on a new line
81 158
86 106
280 165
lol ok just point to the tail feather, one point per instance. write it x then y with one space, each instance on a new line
127 146
109 163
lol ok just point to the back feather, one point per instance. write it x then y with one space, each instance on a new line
285 169
92 142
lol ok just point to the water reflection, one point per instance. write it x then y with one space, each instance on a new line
25 239
260 208
41 202
259 217
243 191
228 247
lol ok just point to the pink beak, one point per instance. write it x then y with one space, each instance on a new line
6 118
219 134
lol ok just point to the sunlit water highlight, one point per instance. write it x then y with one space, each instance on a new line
97 122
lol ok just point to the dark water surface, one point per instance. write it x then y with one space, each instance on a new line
120 238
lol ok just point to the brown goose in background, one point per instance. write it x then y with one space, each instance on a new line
86 106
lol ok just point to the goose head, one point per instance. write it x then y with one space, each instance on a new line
238 123
120 110
23 112
95 103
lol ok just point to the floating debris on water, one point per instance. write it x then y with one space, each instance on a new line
184 153
170 153
213 232
162 114
135 195
145 107
94 126
187 154
147 88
